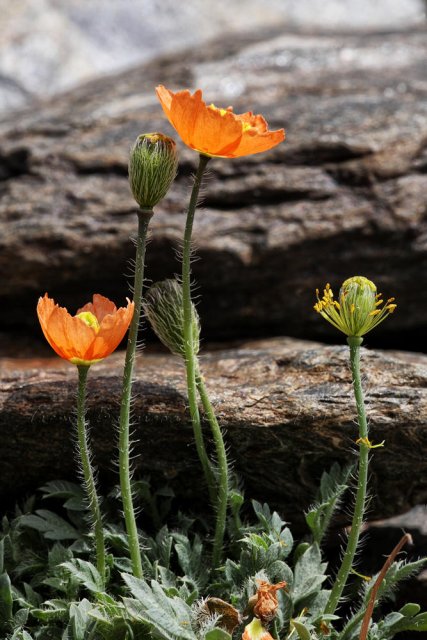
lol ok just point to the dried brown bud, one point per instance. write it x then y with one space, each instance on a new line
229 619
267 604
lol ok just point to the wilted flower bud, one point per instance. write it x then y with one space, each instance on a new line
153 165
359 309
225 615
163 308
266 605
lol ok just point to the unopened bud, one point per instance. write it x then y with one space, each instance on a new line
163 307
153 165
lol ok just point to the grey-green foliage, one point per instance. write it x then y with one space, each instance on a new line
309 575
333 485
50 589
169 616
163 307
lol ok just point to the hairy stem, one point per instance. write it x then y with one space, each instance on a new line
190 356
144 217
221 456
88 475
359 507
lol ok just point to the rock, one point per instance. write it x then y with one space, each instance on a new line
344 195
286 408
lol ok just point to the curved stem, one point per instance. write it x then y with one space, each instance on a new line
222 469
144 217
190 357
88 475
359 507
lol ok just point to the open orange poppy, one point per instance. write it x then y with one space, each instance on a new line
213 131
91 335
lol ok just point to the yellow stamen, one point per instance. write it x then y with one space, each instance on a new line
352 308
375 313
360 575
89 319
369 444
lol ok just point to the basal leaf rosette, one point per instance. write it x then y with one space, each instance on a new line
213 131
91 335
359 307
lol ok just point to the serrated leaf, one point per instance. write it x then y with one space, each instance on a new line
52 526
308 575
170 617
86 574
333 484
79 619
21 616
61 489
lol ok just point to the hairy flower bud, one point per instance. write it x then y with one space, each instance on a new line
153 165
359 309
163 308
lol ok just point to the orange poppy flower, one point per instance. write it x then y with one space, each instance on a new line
91 335
216 132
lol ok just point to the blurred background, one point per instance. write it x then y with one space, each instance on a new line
48 46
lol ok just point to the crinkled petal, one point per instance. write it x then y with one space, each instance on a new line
111 332
213 131
100 307
252 142
68 336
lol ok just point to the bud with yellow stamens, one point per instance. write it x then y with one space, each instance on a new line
153 165
359 308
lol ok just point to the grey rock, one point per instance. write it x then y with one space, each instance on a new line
286 408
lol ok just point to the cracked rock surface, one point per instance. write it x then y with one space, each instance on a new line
286 407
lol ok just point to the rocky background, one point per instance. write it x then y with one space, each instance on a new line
344 195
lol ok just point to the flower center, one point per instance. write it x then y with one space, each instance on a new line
89 319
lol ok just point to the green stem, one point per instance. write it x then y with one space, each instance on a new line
88 474
144 217
359 507
221 456
190 357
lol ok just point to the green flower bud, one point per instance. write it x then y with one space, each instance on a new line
153 165
360 307
163 307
